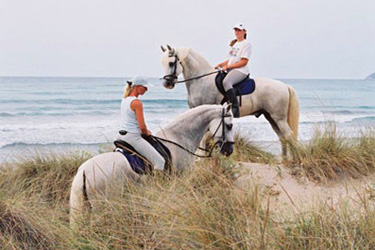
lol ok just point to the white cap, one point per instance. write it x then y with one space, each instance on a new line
239 26
138 80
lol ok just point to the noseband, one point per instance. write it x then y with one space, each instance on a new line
173 76
222 123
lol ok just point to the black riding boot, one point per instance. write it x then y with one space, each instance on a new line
232 98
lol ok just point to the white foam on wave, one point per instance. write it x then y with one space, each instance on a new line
94 129
87 123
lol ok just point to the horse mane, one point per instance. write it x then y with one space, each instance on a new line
185 117
183 53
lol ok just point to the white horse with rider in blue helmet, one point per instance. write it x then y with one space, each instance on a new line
182 136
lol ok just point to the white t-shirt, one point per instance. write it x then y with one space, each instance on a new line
240 50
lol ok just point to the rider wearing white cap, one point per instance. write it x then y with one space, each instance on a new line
236 65
133 122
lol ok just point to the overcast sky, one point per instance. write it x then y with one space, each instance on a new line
290 38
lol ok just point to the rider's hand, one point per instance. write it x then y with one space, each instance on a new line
217 66
225 68
148 132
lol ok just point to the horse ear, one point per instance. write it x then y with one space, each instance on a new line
171 50
162 48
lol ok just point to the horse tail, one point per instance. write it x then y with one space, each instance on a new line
293 112
78 199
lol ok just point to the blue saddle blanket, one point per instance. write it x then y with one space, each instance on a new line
139 163
246 86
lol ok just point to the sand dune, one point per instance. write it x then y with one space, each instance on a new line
289 192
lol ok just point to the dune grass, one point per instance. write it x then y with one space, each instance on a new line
329 155
197 209
246 151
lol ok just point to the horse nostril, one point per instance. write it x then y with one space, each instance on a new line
227 149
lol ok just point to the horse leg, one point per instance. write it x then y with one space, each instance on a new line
287 135
277 131
78 199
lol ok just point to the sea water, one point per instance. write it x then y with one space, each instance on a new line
83 113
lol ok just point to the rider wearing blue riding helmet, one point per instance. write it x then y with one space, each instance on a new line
236 65
133 124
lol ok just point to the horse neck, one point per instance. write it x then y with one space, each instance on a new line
195 65
189 128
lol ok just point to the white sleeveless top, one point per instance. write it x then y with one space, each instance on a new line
128 121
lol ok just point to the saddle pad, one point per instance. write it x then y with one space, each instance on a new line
246 86
135 162
138 163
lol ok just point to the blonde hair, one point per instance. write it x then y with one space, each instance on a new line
128 89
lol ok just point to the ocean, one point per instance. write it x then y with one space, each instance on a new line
39 114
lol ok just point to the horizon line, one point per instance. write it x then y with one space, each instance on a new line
287 78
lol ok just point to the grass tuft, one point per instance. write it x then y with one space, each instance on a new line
246 151
330 156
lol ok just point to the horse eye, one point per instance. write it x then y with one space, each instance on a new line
171 64
229 126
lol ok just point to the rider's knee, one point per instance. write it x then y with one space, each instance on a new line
227 85
159 164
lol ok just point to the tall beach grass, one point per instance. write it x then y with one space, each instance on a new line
329 155
197 209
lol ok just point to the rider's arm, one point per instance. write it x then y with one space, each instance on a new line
137 106
220 65
239 64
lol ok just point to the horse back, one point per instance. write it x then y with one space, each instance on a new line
269 95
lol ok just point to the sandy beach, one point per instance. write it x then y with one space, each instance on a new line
289 192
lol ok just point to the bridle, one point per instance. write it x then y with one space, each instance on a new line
173 76
222 141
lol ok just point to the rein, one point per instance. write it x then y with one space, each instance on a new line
187 150
174 77
212 148
197 77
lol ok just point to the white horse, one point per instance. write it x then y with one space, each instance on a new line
277 101
96 175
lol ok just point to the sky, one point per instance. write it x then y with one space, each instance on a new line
120 38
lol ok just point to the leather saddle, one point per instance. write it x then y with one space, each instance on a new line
245 87
139 163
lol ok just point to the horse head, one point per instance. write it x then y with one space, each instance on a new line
222 130
172 67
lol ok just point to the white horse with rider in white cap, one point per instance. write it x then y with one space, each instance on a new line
277 101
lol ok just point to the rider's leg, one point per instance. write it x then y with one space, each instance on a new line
145 149
234 76
232 98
